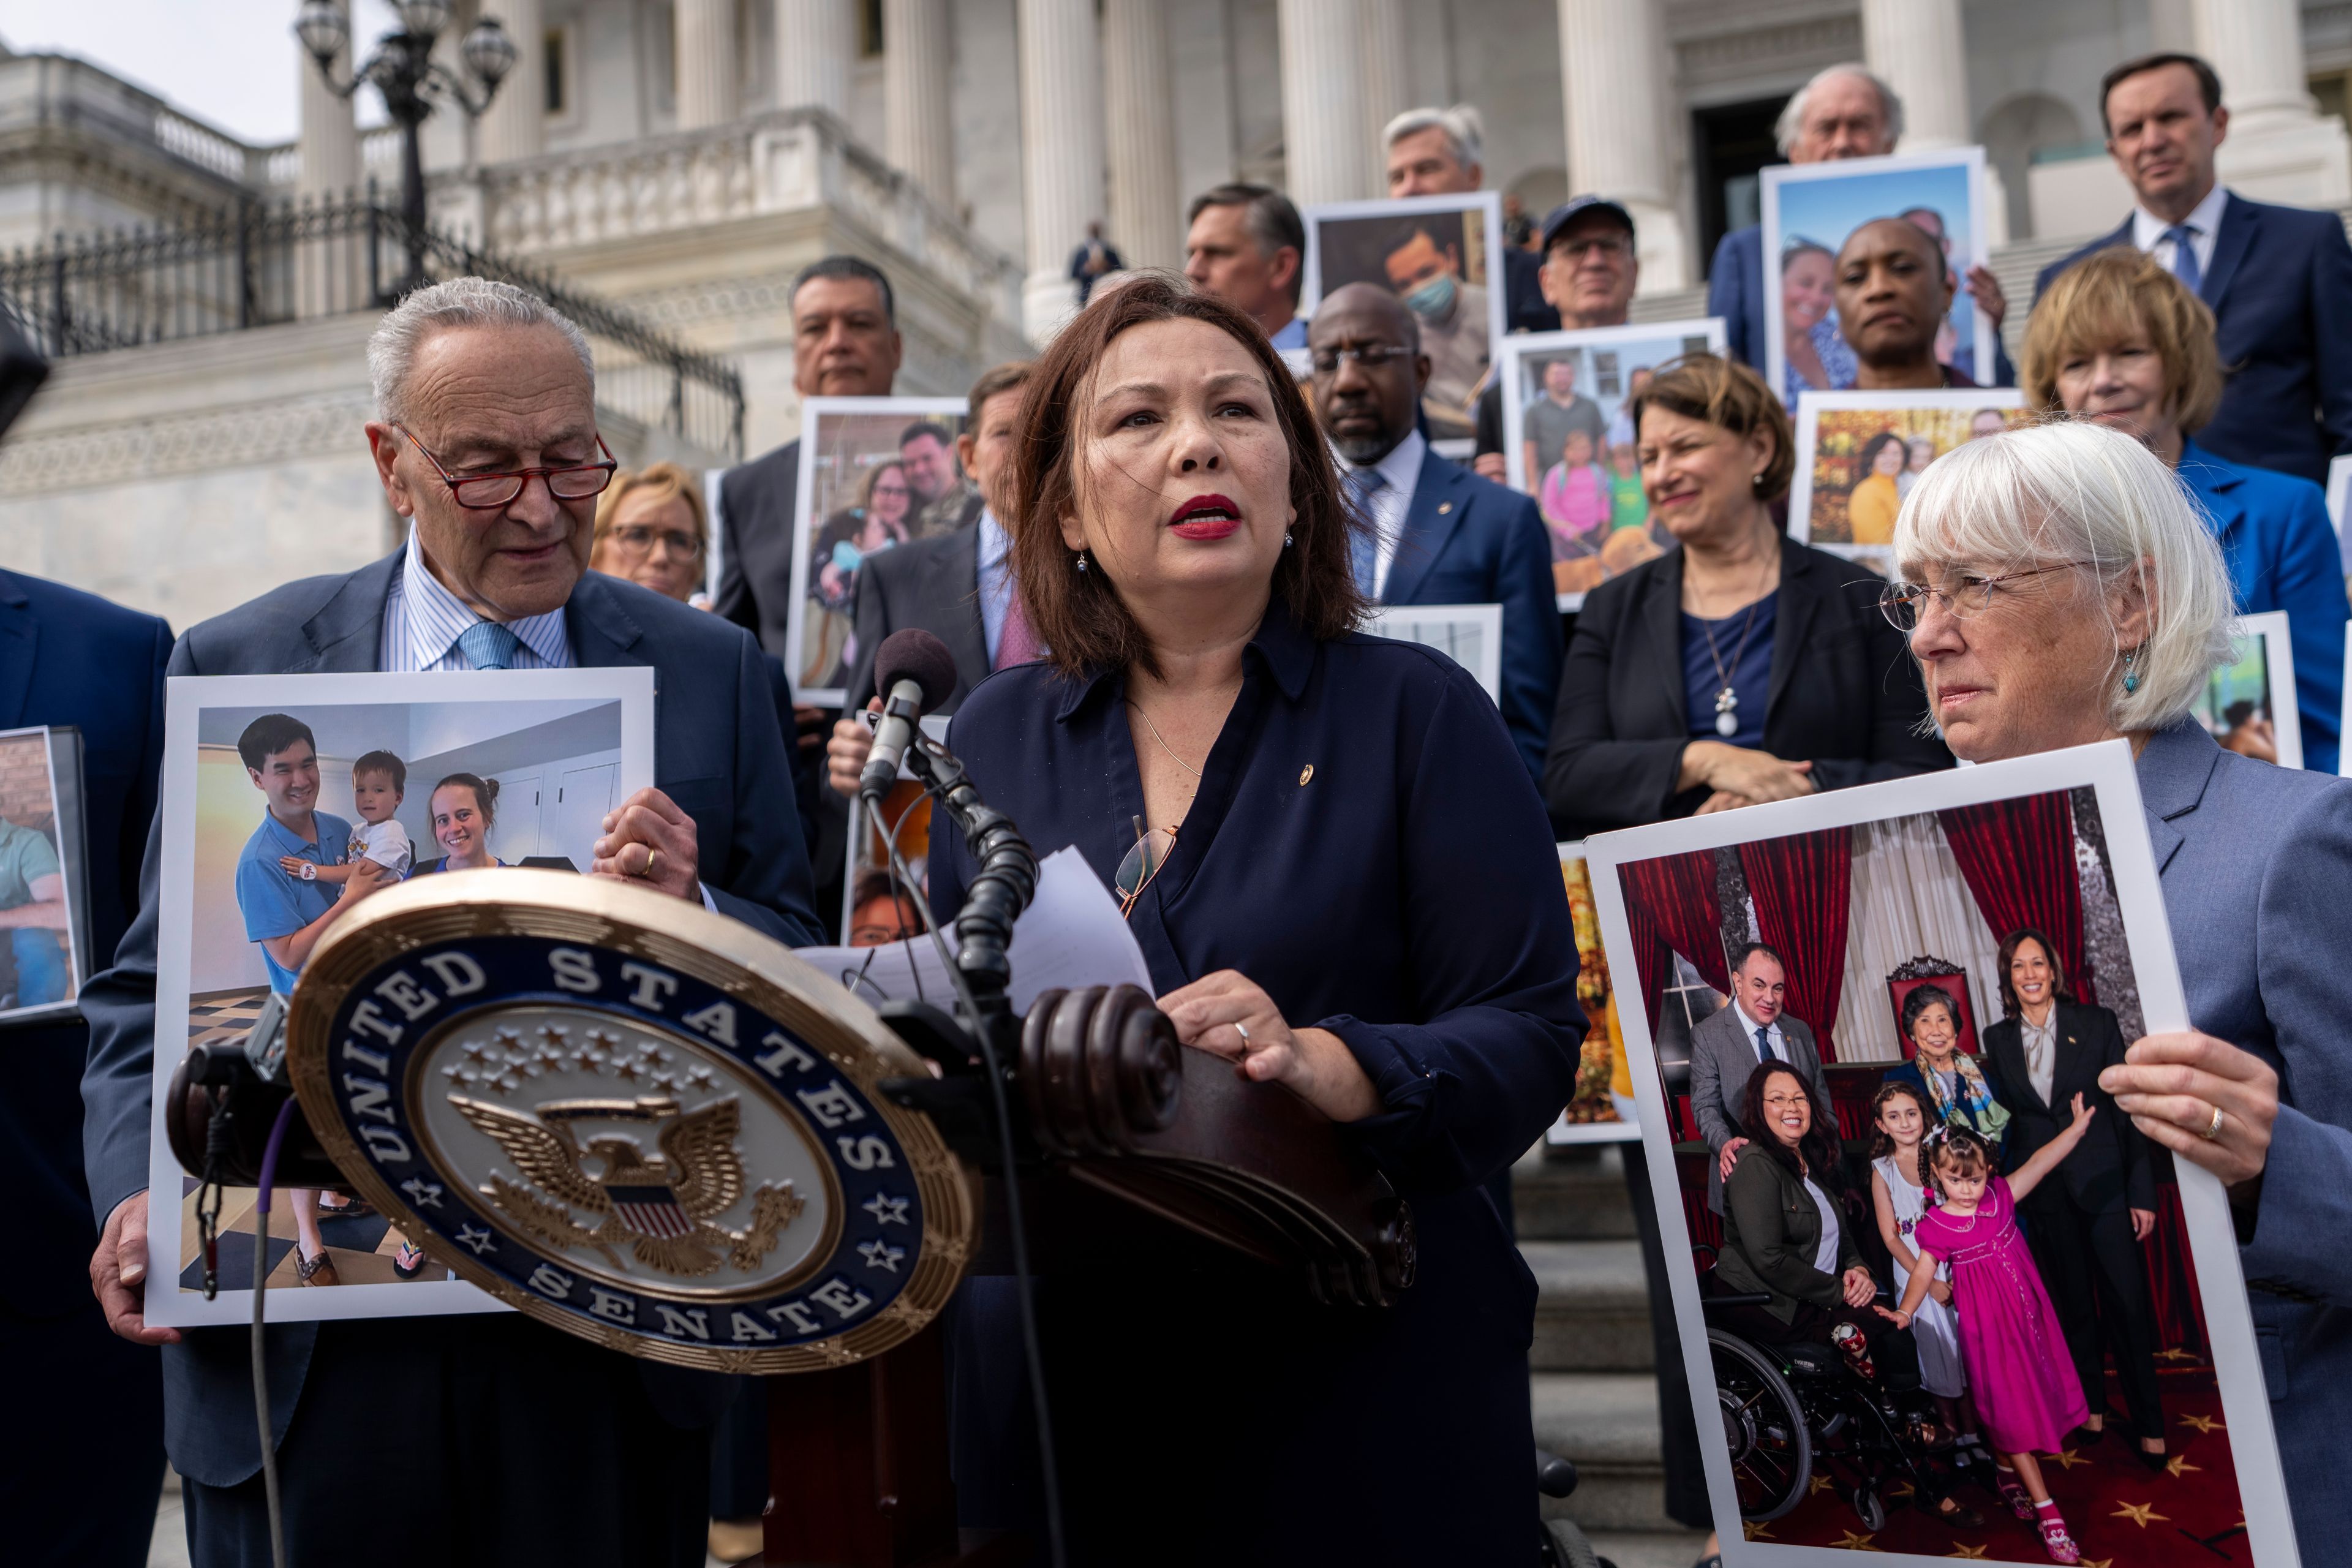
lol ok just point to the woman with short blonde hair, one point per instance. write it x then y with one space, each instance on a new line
2120 341
2061 588
652 529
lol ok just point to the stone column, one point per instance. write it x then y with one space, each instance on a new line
1613 57
1327 152
1146 208
1917 45
918 134
2280 148
1061 150
1388 76
330 138
812 49
705 48
515 125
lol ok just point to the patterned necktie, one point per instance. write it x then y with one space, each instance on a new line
1764 1051
489 645
1016 641
2184 256
1364 545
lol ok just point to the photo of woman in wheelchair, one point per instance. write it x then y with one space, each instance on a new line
1812 1378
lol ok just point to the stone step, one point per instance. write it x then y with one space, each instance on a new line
1575 1199
1607 1422
1592 1307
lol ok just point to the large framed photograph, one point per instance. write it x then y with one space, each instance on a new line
280 793
1567 441
1810 212
1859 453
2249 705
1603 1110
875 473
45 940
1443 256
1889 943
1469 635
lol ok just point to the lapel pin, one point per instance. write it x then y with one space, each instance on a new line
1444 507
1306 775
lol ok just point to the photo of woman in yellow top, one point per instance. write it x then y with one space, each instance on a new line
1871 510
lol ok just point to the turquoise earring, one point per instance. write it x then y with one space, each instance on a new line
2131 675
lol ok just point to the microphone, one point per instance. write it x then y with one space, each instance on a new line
915 673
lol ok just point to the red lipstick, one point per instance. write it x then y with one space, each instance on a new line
1206 517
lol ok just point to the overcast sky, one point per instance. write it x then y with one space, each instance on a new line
231 62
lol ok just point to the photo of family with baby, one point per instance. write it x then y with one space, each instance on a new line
1945 1288
303 810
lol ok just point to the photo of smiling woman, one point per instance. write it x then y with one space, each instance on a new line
1344 885
464 807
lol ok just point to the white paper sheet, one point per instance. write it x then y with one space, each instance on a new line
1070 935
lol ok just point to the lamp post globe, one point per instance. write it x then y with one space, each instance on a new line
424 18
323 31
488 53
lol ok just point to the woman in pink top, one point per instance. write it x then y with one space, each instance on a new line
1576 501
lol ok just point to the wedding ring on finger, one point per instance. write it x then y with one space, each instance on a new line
651 855
1243 1030
2212 1128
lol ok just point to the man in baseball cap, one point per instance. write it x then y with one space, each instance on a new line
1589 270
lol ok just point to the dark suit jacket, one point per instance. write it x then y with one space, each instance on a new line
1844 693
1734 290
1467 541
1772 1230
69 658
2280 289
755 503
933 583
2109 1170
716 754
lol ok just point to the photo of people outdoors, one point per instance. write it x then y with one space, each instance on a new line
1603 1110
1810 213
1943 1298
1569 444
1439 255
1859 453
2237 706
878 472
299 808
41 966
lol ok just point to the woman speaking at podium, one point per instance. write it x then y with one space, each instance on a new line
1344 883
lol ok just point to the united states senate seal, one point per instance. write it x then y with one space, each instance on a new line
638 1121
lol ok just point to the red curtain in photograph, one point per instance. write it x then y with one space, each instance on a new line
2018 858
1802 887
1670 903
2171 1276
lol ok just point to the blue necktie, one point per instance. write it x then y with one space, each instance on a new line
1764 1051
2184 256
489 645
1364 546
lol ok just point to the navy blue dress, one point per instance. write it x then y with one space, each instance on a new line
1404 894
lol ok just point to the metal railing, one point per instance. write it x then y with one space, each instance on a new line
258 265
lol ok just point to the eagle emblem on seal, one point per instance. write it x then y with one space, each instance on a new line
663 1207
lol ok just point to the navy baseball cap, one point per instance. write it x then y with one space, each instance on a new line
1569 211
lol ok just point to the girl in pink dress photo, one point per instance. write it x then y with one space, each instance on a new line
2028 1394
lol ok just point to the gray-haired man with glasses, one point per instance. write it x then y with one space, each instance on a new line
473 1428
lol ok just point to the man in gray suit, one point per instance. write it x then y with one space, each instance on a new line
500 1439
1727 1049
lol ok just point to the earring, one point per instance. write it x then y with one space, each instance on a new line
1082 560
1286 539
1756 482
2131 675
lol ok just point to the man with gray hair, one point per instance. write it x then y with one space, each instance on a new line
1245 245
1437 152
485 439
1844 111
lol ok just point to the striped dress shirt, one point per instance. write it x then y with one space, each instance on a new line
422 621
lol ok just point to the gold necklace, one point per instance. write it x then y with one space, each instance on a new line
1162 739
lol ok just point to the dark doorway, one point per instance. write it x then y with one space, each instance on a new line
1730 142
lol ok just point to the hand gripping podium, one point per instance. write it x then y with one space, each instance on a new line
653 1127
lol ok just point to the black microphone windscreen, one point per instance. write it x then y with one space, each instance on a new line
916 655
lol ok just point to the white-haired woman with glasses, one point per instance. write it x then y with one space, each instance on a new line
2059 589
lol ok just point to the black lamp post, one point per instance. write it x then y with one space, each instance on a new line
404 72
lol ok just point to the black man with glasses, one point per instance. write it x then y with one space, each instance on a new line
1441 535
509 1444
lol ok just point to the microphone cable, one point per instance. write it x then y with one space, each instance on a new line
1057 1551
260 1367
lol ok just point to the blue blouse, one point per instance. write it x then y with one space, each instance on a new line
1366 846
1751 675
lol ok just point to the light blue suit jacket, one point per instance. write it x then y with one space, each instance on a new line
1468 540
2254 861
719 753
2283 555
